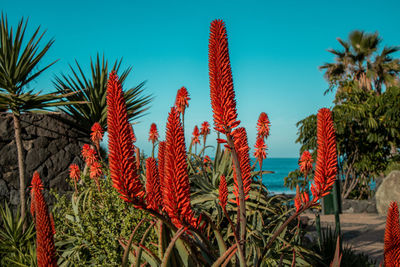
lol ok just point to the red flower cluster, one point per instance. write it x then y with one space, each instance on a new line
221 83
242 148
263 125
205 129
392 237
223 192
305 163
196 134
300 199
95 170
153 192
74 172
176 189
326 167
45 248
260 153
153 134
161 168
89 154
182 100
121 157
97 133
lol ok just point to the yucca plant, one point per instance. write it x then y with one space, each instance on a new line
17 248
92 89
19 65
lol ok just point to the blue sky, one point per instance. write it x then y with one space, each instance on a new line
275 50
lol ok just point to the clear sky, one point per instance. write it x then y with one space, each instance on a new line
275 50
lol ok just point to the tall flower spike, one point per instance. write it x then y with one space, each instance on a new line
153 193
196 134
89 154
297 199
221 84
204 131
326 167
176 185
121 150
223 192
161 169
305 163
182 100
263 125
392 237
153 134
242 148
45 248
260 154
97 133
74 172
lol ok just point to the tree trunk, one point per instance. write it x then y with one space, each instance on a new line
21 167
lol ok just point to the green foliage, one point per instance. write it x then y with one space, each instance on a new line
19 61
90 225
350 258
367 130
17 248
93 91
265 213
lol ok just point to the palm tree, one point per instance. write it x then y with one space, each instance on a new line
18 67
359 61
93 90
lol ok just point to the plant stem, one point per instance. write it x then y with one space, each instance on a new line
283 226
21 167
242 204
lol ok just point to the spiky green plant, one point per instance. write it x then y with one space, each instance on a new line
19 65
92 88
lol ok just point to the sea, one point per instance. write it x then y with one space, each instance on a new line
281 168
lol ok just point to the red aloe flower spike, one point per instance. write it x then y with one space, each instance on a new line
137 152
263 125
297 199
182 100
223 192
392 237
221 84
97 133
153 192
305 163
121 157
196 134
89 154
326 167
242 148
74 174
260 153
176 185
45 249
204 131
195 138
153 134
161 169
206 159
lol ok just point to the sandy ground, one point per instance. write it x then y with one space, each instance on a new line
363 231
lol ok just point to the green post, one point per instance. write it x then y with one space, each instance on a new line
336 207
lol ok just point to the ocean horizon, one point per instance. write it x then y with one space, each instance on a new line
281 168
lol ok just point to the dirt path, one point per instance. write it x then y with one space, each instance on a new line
363 231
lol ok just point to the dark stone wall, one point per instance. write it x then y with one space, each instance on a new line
50 145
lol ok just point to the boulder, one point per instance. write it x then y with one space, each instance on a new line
388 191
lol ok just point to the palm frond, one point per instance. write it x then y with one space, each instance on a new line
93 89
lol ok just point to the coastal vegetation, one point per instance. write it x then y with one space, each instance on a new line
179 207
366 113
